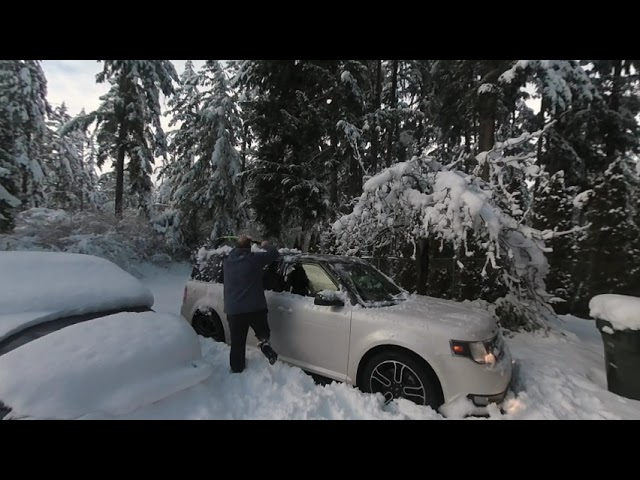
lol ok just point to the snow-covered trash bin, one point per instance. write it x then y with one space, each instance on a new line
618 319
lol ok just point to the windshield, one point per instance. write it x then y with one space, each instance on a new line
371 285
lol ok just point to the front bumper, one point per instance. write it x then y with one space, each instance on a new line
470 387
485 400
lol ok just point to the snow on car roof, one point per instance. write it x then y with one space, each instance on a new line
204 254
110 365
40 286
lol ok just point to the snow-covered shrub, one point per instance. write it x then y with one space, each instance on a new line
169 225
126 242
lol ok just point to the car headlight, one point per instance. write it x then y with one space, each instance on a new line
484 352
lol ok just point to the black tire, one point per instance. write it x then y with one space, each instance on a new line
398 374
208 325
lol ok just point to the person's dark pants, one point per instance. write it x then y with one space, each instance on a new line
239 327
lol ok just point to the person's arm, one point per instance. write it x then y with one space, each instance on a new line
269 255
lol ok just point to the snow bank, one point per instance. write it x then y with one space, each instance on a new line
266 392
111 365
39 286
622 311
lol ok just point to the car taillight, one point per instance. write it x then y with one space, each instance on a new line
184 295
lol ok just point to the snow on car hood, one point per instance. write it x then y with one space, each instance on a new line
459 321
111 365
40 286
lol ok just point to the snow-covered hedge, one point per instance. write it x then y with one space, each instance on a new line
125 242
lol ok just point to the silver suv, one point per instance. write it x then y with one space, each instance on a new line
341 318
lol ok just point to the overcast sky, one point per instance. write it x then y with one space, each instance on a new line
74 82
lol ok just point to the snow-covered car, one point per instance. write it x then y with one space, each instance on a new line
341 318
78 338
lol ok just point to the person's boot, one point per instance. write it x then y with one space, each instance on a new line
268 352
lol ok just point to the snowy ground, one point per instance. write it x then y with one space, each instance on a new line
560 376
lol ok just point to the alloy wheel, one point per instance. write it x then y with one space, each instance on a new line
394 379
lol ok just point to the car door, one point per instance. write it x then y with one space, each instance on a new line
314 337
273 282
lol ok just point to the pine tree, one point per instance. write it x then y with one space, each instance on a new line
128 123
634 213
178 177
296 137
204 171
608 249
586 141
23 110
70 180
221 126
554 209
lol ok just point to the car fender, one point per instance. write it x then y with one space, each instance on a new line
389 338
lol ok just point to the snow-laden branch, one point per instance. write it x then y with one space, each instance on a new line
424 199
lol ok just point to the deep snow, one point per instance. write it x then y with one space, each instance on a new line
559 376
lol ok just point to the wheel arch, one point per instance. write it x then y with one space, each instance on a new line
398 349
205 310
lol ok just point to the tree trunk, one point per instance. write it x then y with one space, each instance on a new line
119 176
243 163
487 105
422 265
487 121
355 174
394 105
333 174
376 107
419 134
467 142
614 104
543 106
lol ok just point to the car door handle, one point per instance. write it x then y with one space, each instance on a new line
285 310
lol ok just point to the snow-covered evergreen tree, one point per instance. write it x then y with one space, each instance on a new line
608 250
219 153
600 129
557 82
23 110
554 207
296 137
204 171
128 123
70 182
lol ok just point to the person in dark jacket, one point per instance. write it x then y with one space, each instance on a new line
244 300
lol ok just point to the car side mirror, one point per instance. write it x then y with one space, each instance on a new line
328 299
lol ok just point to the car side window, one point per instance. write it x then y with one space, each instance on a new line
307 279
318 279
273 280
295 279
